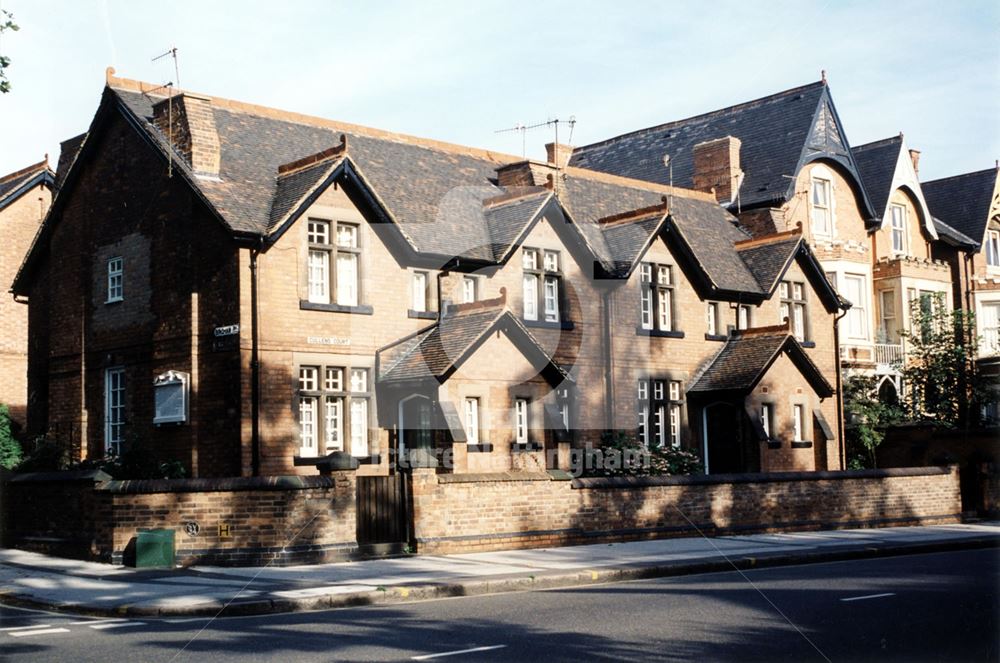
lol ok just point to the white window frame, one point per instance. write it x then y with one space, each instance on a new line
656 297
333 262
766 418
541 284
470 289
798 422
992 248
712 318
472 419
418 294
334 408
743 317
116 279
887 315
897 224
521 407
823 209
857 315
793 307
114 409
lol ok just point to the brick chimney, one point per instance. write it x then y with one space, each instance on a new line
915 158
188 121
558 154
529 173
717 167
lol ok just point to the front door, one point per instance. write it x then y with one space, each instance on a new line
416 439
723 439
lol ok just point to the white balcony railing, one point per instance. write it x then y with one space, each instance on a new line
989 342
889 354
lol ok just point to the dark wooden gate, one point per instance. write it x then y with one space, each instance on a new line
384 507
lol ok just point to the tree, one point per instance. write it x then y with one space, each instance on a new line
6 23
866 419
941 380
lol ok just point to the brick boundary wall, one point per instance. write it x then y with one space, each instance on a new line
310 519
271 520
482 512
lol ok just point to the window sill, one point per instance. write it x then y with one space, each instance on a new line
659 333
542 324
479 448
802 444
774 444
716 337
519 447
422 315
307 305
115 301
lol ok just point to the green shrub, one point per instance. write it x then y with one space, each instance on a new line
136 461
621 454
10 448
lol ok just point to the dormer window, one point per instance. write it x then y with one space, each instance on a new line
116 279
821 206
897 217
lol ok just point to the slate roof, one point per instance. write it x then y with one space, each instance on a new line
14 184
68 149
434 351
963 201
746 358
953 237
876 163
767 261
773 131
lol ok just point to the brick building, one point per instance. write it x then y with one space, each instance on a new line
256 291
24 199
969 205
784 161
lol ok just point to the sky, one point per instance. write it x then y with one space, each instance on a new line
462 71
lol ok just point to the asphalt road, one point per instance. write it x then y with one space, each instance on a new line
935 607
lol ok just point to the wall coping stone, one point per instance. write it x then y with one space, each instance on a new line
493 476
95 476
214 485
760 477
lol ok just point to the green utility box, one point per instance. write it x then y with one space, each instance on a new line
154 549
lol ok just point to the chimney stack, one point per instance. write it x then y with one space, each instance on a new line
188 122
558 154
915 158
717 167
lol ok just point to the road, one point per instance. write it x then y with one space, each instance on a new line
933 607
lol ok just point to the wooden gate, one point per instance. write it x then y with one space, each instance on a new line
384 508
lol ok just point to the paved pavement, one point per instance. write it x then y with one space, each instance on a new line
30 579
921 607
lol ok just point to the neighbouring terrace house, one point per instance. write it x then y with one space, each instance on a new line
254 291
24 199
783 162
967 209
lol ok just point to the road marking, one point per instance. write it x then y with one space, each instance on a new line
426 657
101 627
869 596
88 622
185 620
21 628
44 631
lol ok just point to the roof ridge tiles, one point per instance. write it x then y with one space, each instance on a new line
499 303
783 329
313 159
764 240
994 169
718 111
131 85
635 214
881 142
41 165
608 178
514 196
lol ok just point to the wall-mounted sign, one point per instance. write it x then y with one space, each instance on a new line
225 531
192 528
227 330
328 340
170 398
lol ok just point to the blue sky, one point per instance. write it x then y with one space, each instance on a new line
459 71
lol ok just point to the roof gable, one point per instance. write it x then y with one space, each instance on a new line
16 184
746 357
885 166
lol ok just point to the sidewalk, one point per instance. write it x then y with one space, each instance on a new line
30 579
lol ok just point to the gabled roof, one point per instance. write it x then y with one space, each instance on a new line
768 260
885 166
779 134
746 358
14 185
963 201
438 350
68 151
